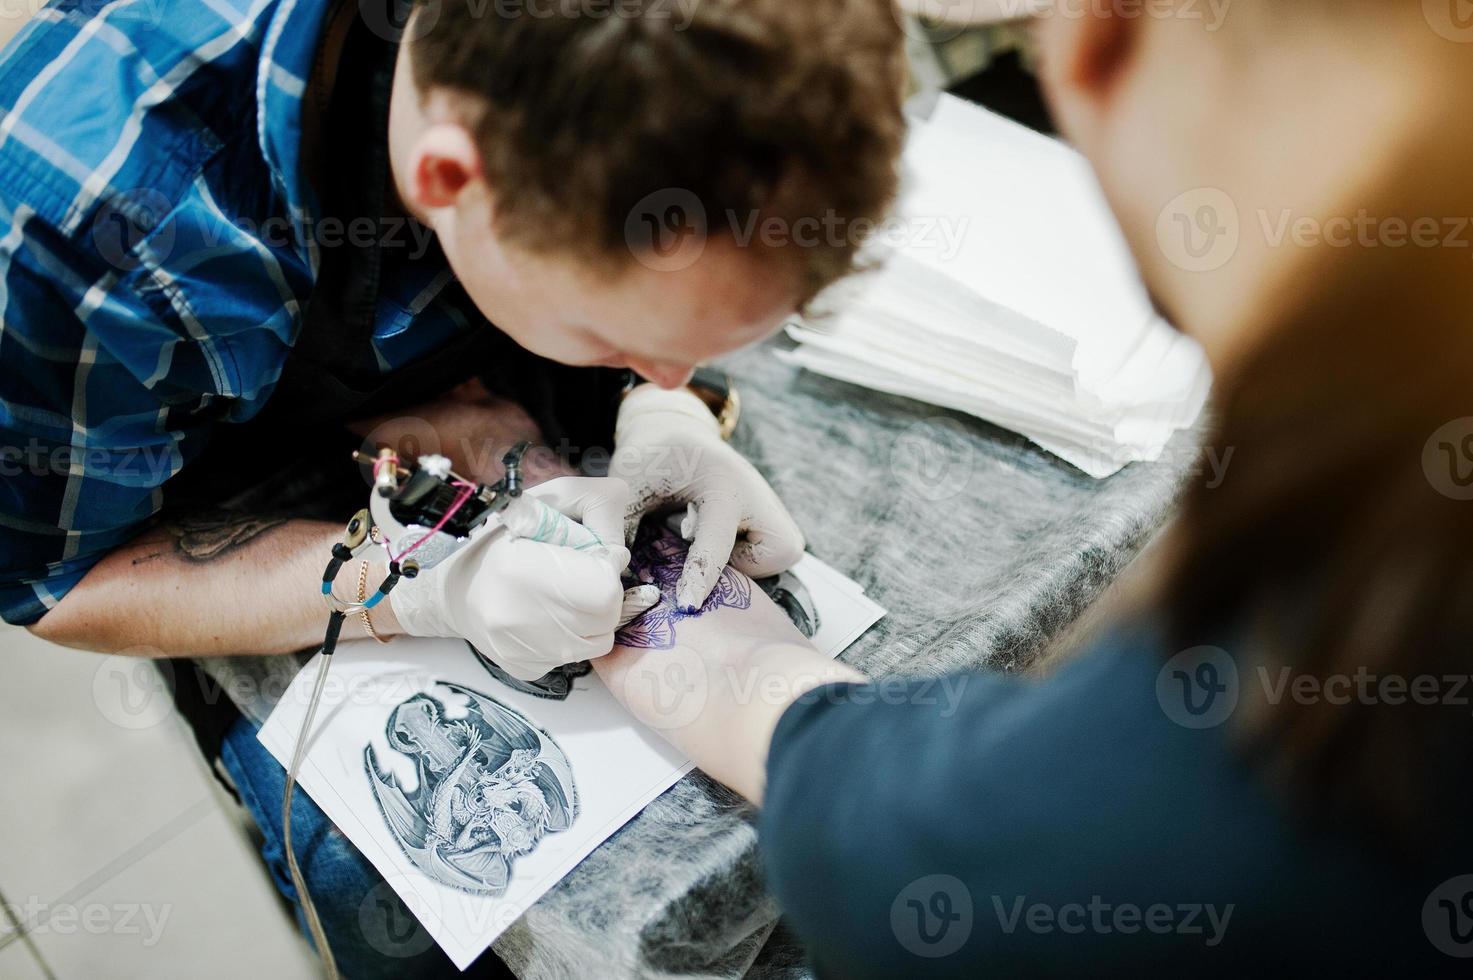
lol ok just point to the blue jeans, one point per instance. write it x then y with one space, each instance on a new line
371 931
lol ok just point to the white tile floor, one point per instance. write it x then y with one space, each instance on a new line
119 855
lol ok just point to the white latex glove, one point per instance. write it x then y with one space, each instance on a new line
668 447
529 606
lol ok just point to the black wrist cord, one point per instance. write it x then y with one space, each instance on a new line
353 543
454 507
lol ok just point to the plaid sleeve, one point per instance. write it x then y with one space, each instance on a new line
91 423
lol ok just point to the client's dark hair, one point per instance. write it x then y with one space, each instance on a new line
786 109
1336 545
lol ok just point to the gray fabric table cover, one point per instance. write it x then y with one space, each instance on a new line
981 547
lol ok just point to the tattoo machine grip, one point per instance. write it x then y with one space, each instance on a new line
527 517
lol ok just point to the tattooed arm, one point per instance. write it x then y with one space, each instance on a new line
221 584
214 584
714 682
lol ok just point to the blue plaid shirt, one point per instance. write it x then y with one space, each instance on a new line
159 242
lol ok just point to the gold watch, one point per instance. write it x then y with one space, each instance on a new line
713 387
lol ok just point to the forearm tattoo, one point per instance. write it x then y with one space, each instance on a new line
210 535
658 557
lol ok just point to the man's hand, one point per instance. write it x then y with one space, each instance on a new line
469 426
529 606
669 448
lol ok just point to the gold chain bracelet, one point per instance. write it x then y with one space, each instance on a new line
362 598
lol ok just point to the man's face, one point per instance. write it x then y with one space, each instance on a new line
661 323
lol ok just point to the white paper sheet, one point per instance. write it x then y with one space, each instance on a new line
587 743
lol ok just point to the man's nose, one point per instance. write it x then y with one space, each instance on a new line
664 375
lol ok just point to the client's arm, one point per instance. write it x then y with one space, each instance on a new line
714 683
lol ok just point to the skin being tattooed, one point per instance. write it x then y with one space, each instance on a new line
658 558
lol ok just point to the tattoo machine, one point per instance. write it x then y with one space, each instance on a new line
421 515
424 514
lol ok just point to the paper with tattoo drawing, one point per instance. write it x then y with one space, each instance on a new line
473 793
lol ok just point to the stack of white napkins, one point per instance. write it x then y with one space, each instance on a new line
1005 289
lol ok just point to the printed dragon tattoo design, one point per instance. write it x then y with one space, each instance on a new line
491 786
658 559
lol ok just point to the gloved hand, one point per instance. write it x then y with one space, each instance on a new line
529 606
668 447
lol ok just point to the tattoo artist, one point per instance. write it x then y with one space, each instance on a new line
1263 768
320 227
156 355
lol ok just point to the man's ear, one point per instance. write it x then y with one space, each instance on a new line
1103 49
444 162
1082 60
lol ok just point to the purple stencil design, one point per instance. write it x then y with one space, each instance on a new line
658 558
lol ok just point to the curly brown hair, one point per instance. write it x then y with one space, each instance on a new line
752 111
